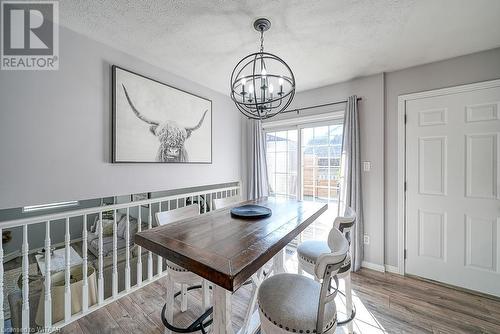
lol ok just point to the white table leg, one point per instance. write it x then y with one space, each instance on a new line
348 298
222 311
252 321
169 312
184 305
279 262
205 297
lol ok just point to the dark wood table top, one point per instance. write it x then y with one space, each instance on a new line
227 250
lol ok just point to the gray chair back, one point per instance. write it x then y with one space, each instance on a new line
326 268
345 223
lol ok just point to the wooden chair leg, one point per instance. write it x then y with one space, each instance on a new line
184 297
348 298
169 312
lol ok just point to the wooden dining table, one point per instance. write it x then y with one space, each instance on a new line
228 251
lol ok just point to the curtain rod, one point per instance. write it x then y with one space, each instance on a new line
297 110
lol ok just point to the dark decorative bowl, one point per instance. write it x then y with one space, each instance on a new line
251 211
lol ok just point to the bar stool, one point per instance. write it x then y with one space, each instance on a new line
297 304
178 275
309 251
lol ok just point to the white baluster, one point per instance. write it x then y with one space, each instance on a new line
85 286
150 255
1 287
26 305
100 278
67 280
160 260
115 257
47 295
127 252
185 201
139 249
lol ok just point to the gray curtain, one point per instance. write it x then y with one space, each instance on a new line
258 184
352 182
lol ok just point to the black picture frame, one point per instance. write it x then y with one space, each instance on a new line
114 159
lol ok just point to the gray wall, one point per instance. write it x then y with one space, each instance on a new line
55 138
378 120
371 107
462 70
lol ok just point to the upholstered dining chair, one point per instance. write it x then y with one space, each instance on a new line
177 274
298 304
219 203
309 251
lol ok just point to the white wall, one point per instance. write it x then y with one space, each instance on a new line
371 108
457 71
55 131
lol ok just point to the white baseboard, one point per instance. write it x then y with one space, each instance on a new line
391 269
373 266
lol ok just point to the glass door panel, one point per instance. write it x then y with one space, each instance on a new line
317 151
321 149
282 162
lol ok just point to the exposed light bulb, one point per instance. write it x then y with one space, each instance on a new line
243 81
280 81
263 72
271 88
250 89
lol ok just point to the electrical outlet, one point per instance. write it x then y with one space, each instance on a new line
366 239
367 166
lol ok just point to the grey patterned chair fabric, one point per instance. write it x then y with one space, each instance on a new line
297 304
309 251
290 302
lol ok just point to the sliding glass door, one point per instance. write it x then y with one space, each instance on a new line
282 162
317 149
321 151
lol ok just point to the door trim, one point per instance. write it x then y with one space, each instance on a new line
401 175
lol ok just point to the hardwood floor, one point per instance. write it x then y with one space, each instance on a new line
385 303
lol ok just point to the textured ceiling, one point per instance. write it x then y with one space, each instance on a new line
323 41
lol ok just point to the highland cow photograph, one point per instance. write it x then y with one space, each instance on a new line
154 122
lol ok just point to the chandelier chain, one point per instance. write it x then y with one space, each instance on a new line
261 40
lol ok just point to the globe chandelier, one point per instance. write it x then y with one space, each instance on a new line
262 84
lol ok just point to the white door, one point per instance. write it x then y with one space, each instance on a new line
453 189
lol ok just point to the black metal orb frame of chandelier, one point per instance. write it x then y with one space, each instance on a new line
262 84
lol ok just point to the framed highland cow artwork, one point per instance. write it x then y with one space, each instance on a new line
155 122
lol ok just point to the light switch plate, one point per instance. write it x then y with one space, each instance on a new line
367 166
